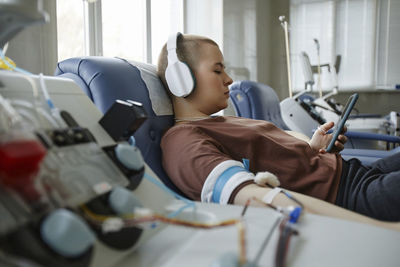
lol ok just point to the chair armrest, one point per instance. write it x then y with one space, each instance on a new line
365 116
367 156
373 136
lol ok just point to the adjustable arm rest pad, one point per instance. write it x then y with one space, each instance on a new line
373 136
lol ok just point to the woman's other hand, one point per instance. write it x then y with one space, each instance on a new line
320 140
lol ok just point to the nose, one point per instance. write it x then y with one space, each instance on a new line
228 80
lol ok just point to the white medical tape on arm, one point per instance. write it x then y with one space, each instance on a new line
223 180
269 197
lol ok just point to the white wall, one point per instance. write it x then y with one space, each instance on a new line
35 48
254 43
240 41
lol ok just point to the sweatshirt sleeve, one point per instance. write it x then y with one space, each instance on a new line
188 157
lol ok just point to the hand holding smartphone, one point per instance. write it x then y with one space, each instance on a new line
342 120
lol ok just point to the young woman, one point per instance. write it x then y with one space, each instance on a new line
216 159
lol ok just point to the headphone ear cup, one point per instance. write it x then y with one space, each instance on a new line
180 79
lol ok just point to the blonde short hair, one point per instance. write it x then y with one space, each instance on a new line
188 51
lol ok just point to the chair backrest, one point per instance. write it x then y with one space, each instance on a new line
256 101
105 80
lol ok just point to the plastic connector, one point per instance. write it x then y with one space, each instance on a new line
295 214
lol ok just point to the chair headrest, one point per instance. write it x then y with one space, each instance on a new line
105 80
256 101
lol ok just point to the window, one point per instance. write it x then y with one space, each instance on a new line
348 28
166 17
70 29
124 29
388 48
311 30
355 41
134 29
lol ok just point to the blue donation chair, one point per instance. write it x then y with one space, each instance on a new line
105 80
258 101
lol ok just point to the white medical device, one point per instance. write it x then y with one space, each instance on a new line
306 117
330 111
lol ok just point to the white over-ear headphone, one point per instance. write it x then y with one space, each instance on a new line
178 75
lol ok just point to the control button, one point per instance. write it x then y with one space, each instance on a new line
122 201
129 156
66 233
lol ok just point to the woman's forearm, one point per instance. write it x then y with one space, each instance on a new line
312 205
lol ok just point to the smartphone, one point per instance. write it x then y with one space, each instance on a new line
342 120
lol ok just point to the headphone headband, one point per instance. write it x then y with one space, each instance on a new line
171 47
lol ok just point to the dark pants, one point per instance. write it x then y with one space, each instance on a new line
373 191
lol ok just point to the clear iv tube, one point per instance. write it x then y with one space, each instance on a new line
55 112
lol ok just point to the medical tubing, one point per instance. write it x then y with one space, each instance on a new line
11 66
35 91
170 192
5 48
21 105
45 92
178 211
8 116
36 99
54 111
286 232
266 241
27 116
292 198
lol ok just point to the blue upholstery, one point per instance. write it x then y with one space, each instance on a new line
367 156
105 80
259 104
